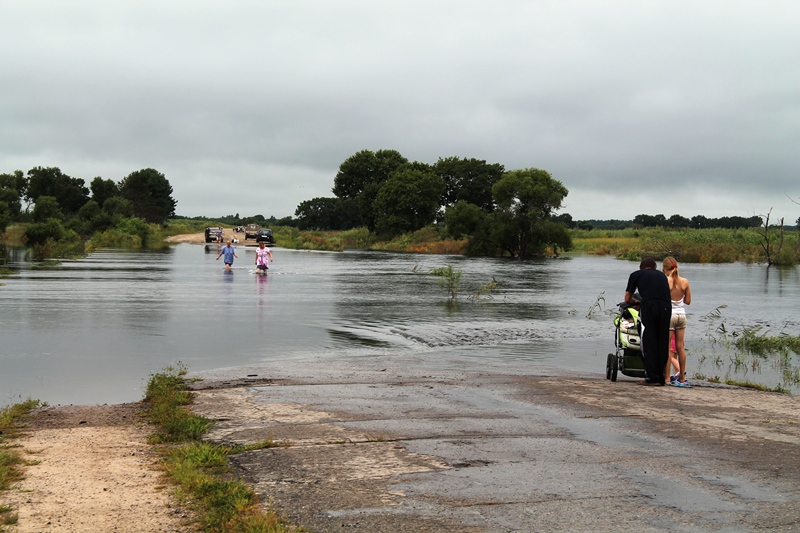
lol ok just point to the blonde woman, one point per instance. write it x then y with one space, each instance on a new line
681 296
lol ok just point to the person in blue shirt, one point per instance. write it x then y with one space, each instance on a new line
229 254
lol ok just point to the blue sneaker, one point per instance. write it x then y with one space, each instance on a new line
673 378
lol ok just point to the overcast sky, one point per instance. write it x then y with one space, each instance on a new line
250 106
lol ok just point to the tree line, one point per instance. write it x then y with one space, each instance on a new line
64 208
498 212
660 221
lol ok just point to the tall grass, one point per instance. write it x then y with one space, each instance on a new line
334 241
686 244
200 470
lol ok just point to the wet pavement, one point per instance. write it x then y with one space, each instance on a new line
411 444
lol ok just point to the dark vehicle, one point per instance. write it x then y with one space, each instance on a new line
211 233
265 236
251 231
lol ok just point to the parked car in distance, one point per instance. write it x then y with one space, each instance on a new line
211 233
251 231
265 236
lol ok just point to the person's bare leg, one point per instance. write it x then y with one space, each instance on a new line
672 361
680 335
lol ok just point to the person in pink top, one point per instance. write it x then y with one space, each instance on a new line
263 258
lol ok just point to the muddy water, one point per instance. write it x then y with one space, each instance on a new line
93 330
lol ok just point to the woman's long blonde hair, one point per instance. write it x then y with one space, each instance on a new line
670 268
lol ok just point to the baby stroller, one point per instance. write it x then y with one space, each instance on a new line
627 340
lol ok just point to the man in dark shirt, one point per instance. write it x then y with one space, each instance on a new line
655 312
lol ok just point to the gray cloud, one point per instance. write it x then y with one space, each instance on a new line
250 107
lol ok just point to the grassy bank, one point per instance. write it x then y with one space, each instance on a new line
690 245
427 240
199 470
687 245
11 461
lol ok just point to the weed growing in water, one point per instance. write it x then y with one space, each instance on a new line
449 279
485 290
597 306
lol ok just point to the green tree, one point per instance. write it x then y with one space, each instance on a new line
46 208
464 219
566 219
470 180
363 168
526 199
134 226
327 214
39 233
700 222
361 176
650 221
12 190
117 206
408 201
91 219
150 195
5 216
70 193
102 190
678 221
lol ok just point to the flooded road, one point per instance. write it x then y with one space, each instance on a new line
94 329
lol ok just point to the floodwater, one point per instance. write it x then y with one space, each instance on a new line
93 330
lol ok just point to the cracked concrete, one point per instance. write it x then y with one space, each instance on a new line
410 444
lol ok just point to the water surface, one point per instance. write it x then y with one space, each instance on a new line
94 329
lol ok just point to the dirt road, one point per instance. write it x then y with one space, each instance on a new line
200 238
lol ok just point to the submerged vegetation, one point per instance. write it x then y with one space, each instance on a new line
746 350
449 279
199 470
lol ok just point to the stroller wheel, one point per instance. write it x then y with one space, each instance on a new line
614 368
608 365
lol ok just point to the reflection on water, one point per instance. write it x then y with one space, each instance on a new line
93 330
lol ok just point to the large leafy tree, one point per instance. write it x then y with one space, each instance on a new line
464 219
469 180
363 168
361 176
526 199
70 193
648 221
327 214
12 189
102 190
149 194
46 208
407 201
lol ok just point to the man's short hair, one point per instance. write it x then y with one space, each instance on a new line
647 262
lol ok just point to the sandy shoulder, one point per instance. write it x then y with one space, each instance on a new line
94 472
